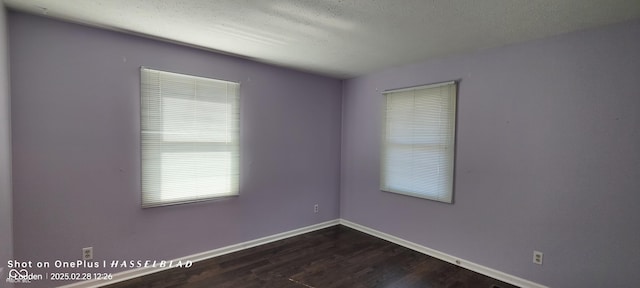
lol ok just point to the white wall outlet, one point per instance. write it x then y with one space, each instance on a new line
537 257
315 208
87 253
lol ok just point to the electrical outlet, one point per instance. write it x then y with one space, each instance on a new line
315 208
537 257
87 253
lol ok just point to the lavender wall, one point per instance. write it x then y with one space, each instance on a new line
547 159
6 232
75 93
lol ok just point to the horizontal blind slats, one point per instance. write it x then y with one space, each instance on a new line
189 138
419 137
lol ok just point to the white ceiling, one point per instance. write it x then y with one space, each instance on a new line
340 38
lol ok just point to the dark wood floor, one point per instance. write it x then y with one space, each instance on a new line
337 256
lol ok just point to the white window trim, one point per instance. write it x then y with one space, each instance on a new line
150 195
384 185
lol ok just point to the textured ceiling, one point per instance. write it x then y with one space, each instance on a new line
340 38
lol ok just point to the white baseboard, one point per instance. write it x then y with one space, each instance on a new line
504 277
134 273
138 272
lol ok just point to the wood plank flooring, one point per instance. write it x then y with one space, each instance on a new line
337 256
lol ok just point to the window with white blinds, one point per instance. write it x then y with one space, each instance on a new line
418 141
189 138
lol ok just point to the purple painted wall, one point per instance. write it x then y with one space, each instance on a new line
6 232
75 93
547 159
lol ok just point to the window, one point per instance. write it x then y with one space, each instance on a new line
189 138
418 141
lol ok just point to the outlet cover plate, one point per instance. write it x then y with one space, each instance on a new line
537 257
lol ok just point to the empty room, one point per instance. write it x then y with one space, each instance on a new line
320 143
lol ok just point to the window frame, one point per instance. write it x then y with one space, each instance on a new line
385 142
154 198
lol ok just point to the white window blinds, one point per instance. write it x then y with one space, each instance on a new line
189 138
418 141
